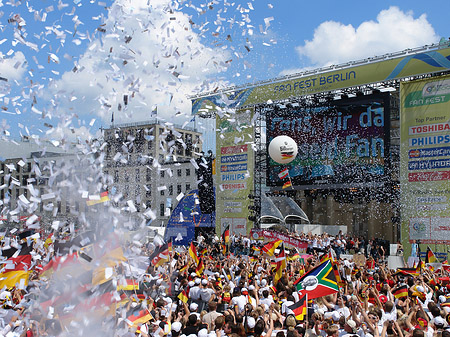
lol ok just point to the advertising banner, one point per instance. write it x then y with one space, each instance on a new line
344 142
270 235
338 77
234 171
425 160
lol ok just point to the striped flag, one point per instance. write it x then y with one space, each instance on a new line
280 265
16 269
318 282
400 292
226 235
193 253
160 255
300 308
283 174
98 200
138 317
183 296
200 268
287 184
270 247
410 271
430 258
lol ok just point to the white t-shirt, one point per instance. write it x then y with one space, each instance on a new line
240 301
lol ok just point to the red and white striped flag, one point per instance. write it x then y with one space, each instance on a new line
283 174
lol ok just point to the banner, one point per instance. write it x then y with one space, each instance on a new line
301 245
345 142
185 217
425 160
338 77
234 171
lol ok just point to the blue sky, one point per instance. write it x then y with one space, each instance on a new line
61 66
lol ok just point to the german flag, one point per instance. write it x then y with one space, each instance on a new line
138 317
184 268
200 268
98 200
16 269
128 285
446 303
170 246
400 292
160 255
224 249
203 252
281 265
270 247
183 296
410 271
326 256
294 257
226 235
430 258
193 253
300 308
287 184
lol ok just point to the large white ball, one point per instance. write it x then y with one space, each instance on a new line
283 149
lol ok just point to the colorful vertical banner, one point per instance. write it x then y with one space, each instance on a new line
234 171
425 160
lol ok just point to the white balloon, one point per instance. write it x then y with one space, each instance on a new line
283 149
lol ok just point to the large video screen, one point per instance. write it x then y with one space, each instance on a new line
340 144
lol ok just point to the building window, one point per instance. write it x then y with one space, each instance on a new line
138 177
188 187
148 204
161 209
127 177
161 193
171 190
178 189
148 192
58 206
77 206
162 172
179 172
148 176
116 176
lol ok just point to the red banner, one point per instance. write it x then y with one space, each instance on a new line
289 240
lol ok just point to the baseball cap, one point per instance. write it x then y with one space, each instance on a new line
204 282
176 326
439 322
193 306
244 291
251 322
197 281
352 324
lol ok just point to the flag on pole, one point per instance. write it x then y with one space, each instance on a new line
270 247
183 296
430 258
300 308
200 268
287 184
318 282
226 235
160 255
193 253
283 174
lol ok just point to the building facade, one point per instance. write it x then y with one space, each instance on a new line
150 166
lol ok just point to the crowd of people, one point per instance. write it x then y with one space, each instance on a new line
229 290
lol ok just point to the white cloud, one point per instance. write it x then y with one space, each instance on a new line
393 30
149 53
12 68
